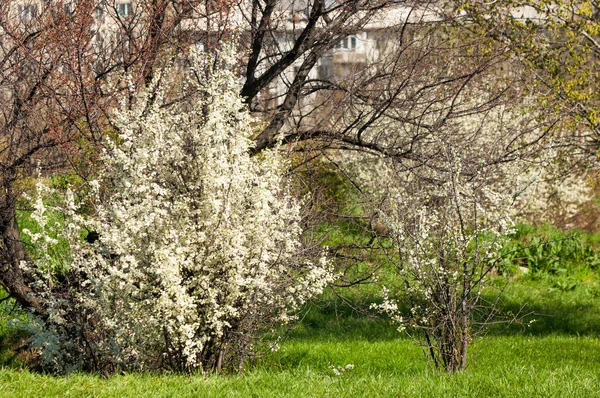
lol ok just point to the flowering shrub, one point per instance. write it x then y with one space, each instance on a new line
199 252
447 236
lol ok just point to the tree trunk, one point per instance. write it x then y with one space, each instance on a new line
12 254
465 336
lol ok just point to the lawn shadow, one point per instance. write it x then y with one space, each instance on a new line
14 350
336 319
540 309
544 310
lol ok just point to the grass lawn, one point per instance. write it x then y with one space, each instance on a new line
557 356
555 352
507 366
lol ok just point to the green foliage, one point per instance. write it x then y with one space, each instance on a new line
338 190
13 337
563 54
58 251
549 251
46 245
335 195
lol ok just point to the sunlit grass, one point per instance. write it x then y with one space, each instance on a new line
526 362
553 352
510 366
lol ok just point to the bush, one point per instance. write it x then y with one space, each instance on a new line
199 253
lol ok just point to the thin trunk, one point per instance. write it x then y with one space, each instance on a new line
431 349
220 360
465 337
12 255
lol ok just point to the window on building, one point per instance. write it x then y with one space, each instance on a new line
330 4
347 43
27 12
124 9
98 12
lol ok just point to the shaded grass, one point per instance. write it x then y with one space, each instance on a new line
552 310
538 363
13 339
510 366
333 319
385 363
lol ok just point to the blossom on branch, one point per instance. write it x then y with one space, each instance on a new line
199 251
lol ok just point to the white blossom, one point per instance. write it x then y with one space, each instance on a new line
199 244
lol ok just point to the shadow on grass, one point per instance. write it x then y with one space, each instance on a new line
543 309
549 310
332 318
14 351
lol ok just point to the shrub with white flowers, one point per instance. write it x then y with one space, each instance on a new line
447 233
199 256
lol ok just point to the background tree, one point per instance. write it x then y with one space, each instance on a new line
420 73
558 43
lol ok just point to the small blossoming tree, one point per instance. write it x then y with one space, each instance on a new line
446 236
199 253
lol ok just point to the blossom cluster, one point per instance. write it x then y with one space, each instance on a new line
447 236
199 250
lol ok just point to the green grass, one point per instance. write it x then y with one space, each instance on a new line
556 355
544 360
551 310
513 366
13 338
